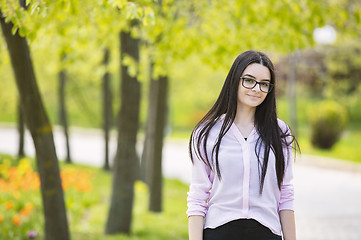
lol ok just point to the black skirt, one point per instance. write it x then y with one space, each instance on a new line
241 229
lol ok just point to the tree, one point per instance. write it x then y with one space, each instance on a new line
56 225
153 143
97 22
126 162
344 68
107 109
292 91
63 116
21 130
158 123
156 41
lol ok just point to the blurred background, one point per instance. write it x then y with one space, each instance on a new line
102 67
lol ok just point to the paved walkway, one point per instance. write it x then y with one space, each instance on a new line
328 191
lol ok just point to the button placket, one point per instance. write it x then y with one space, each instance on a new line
246 166
246 178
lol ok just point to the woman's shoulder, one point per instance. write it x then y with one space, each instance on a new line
214 129
283 125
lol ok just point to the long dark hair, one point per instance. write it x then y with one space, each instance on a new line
271 136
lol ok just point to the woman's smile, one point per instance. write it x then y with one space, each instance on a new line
253 96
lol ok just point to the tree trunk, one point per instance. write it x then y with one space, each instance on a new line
107 109
21 130
155 128
56 225
292 92
63 118
126 162
145 163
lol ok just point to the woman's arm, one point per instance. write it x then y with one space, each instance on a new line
195 227
286 204
287 218
199 193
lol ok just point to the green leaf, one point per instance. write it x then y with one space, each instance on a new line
118 3
14 29
132 66
358 16
131 11
23 31
149 17
33 7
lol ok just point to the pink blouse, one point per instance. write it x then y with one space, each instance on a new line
237 195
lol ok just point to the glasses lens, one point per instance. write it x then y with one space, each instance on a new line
248 82
265 87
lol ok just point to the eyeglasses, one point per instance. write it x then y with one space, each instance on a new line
250 83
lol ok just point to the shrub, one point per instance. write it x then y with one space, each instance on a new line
328 120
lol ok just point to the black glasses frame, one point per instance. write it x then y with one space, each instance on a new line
259 83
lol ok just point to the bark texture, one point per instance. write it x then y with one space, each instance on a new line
63 116
107 110
153 144
56 225
126 162
21 130
292 92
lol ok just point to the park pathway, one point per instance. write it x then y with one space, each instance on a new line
328 191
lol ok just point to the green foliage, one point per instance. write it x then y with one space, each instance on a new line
343 64
274 26
194 89
172 31
347 148
354 108
328 120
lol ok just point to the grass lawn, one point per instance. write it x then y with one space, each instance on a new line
170 224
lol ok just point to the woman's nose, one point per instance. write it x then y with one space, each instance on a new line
257 88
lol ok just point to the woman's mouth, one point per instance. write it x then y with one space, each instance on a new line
253 96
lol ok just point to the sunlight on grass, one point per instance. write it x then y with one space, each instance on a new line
170 224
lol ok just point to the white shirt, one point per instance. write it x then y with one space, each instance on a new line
237 195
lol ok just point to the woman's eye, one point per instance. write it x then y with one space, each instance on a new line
249 80
265 84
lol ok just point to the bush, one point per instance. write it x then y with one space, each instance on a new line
328 120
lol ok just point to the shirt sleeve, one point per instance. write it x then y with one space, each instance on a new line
199 189
287 188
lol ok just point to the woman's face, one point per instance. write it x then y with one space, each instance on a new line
251 98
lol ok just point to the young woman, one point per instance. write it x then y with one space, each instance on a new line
241 185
